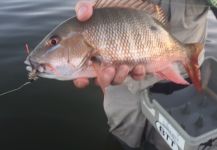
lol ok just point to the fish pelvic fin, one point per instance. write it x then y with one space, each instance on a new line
141 5
192 67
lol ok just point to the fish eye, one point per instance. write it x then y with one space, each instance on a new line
54 40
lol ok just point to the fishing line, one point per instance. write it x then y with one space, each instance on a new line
32 77
16 89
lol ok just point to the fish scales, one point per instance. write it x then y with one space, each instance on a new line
124 35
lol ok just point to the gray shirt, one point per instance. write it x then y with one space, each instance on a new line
187 19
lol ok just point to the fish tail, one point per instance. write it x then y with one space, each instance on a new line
192 67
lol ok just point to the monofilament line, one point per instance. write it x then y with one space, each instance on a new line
14 90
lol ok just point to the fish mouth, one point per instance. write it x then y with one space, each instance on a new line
62 73
40 70
33 66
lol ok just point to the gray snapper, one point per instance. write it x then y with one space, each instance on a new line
119 32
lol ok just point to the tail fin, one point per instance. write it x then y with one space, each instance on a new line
192 67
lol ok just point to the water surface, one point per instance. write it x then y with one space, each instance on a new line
47 114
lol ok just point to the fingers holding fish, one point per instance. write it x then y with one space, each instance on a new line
113 76
84 9
138 72
104 79
81 83
116 76
121 74
106 76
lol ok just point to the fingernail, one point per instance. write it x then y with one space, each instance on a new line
77 83
81 84
108 75
81 11
139 70
124 68
123 72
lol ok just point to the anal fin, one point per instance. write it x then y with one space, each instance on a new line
170 73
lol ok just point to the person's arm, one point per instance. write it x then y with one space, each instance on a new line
110 75
214 11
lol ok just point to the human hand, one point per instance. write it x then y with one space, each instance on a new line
109 75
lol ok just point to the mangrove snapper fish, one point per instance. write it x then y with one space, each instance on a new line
119 32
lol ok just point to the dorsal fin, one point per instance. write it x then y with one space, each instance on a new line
143 5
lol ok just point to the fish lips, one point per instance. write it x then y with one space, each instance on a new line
62 73
31 67
42 73
41 70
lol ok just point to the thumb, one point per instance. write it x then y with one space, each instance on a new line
84 9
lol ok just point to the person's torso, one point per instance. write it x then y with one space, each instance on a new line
187 19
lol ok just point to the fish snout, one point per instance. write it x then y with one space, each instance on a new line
34 65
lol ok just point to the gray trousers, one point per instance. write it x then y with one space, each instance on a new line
126 120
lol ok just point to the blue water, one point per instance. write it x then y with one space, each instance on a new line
47 114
